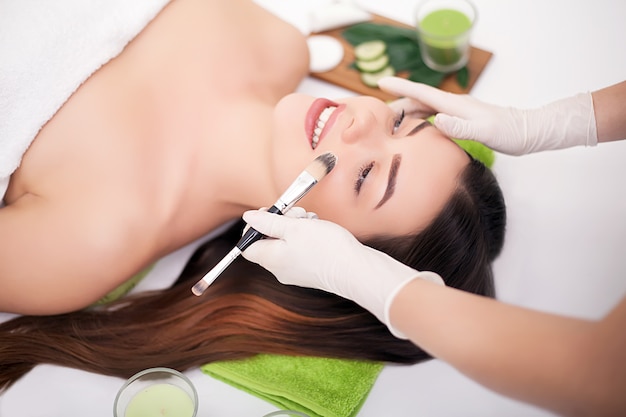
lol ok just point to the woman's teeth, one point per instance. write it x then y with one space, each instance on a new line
319 125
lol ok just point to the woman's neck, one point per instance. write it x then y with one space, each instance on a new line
240 158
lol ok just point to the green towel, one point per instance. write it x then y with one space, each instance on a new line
125 288
319 387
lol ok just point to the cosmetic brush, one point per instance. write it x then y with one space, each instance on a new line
312 174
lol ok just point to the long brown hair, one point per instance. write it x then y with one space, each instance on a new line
247 311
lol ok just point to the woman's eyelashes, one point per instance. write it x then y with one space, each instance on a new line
362 174
398 122
365 169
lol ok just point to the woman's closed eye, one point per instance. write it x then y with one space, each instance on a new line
362 174
398 122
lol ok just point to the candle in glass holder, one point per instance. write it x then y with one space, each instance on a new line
443 29
157 392
160 400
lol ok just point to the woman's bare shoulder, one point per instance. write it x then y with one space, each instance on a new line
56 256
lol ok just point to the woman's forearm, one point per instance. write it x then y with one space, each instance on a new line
608 106
575 367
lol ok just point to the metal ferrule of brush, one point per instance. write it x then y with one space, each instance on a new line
295 192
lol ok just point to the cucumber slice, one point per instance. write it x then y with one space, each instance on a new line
376 65
371 78
370 50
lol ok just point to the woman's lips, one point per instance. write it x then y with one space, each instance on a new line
312 120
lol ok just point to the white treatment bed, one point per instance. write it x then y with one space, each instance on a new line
566 240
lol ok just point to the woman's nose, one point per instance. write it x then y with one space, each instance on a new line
362 128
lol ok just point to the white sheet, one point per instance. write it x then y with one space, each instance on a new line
566 232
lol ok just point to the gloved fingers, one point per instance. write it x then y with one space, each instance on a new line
439 101
296 212
270 224
411 107
455 127
247 226
266 252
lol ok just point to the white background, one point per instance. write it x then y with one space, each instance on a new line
566 241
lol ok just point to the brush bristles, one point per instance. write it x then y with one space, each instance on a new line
322 165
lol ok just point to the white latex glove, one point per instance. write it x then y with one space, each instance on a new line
314 253
561 124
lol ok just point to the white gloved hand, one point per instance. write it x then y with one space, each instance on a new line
315 253
558 125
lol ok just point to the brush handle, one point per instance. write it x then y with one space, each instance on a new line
217 270
252 235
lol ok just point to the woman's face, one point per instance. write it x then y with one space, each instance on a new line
393 174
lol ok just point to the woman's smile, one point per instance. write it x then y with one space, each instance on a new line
319 119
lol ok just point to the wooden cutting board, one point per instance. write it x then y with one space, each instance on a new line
349 78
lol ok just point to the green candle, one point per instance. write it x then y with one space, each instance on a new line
160 400
444 33
446 23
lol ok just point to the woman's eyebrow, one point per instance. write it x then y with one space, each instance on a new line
419 127
391 181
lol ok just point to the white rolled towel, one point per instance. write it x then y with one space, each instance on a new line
336 14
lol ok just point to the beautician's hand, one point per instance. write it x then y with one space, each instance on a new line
560 124
315 253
